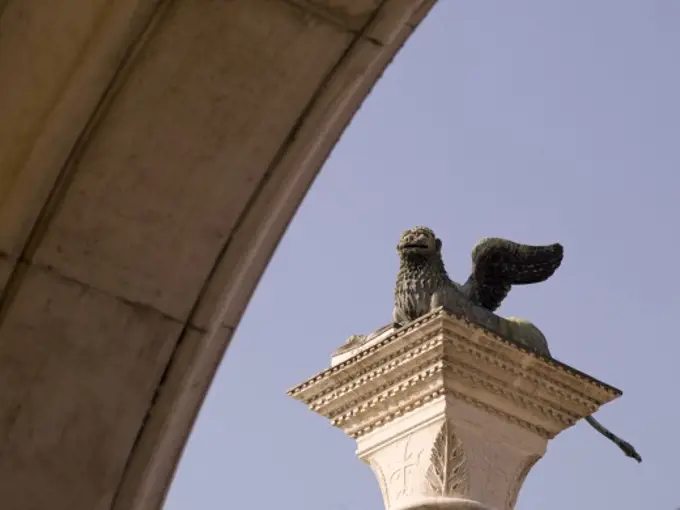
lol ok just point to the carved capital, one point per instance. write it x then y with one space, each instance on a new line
450 451
448 414
429 462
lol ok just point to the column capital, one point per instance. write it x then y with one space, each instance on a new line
448 414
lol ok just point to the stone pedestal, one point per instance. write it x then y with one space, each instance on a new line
447 414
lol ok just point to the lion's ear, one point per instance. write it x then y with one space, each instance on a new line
438 244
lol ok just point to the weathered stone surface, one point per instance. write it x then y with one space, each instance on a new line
160 445
78 371
145 197
251 244
40 46
350 14
450 415
6 266
152 154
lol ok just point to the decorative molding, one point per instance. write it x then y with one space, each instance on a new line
449 323
410 367
377 370
558 366
519 397
556 388
398 385
326 374
536 429
369 414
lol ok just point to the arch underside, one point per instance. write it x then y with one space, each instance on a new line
152 153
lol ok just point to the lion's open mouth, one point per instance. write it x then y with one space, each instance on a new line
414 246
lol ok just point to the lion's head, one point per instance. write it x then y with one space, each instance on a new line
419 241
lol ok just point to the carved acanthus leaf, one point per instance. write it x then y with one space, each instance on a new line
448 473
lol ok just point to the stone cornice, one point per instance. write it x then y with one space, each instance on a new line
443 355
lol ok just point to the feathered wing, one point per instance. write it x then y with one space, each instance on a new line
498 264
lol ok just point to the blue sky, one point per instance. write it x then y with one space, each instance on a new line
539 121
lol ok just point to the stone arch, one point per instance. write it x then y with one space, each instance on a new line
152 153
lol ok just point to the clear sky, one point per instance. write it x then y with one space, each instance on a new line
540 121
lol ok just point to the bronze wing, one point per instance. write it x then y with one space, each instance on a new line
498 264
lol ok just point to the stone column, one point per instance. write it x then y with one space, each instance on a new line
448 415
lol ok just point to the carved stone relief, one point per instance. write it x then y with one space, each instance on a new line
405 471
429 462
447 474
446 413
